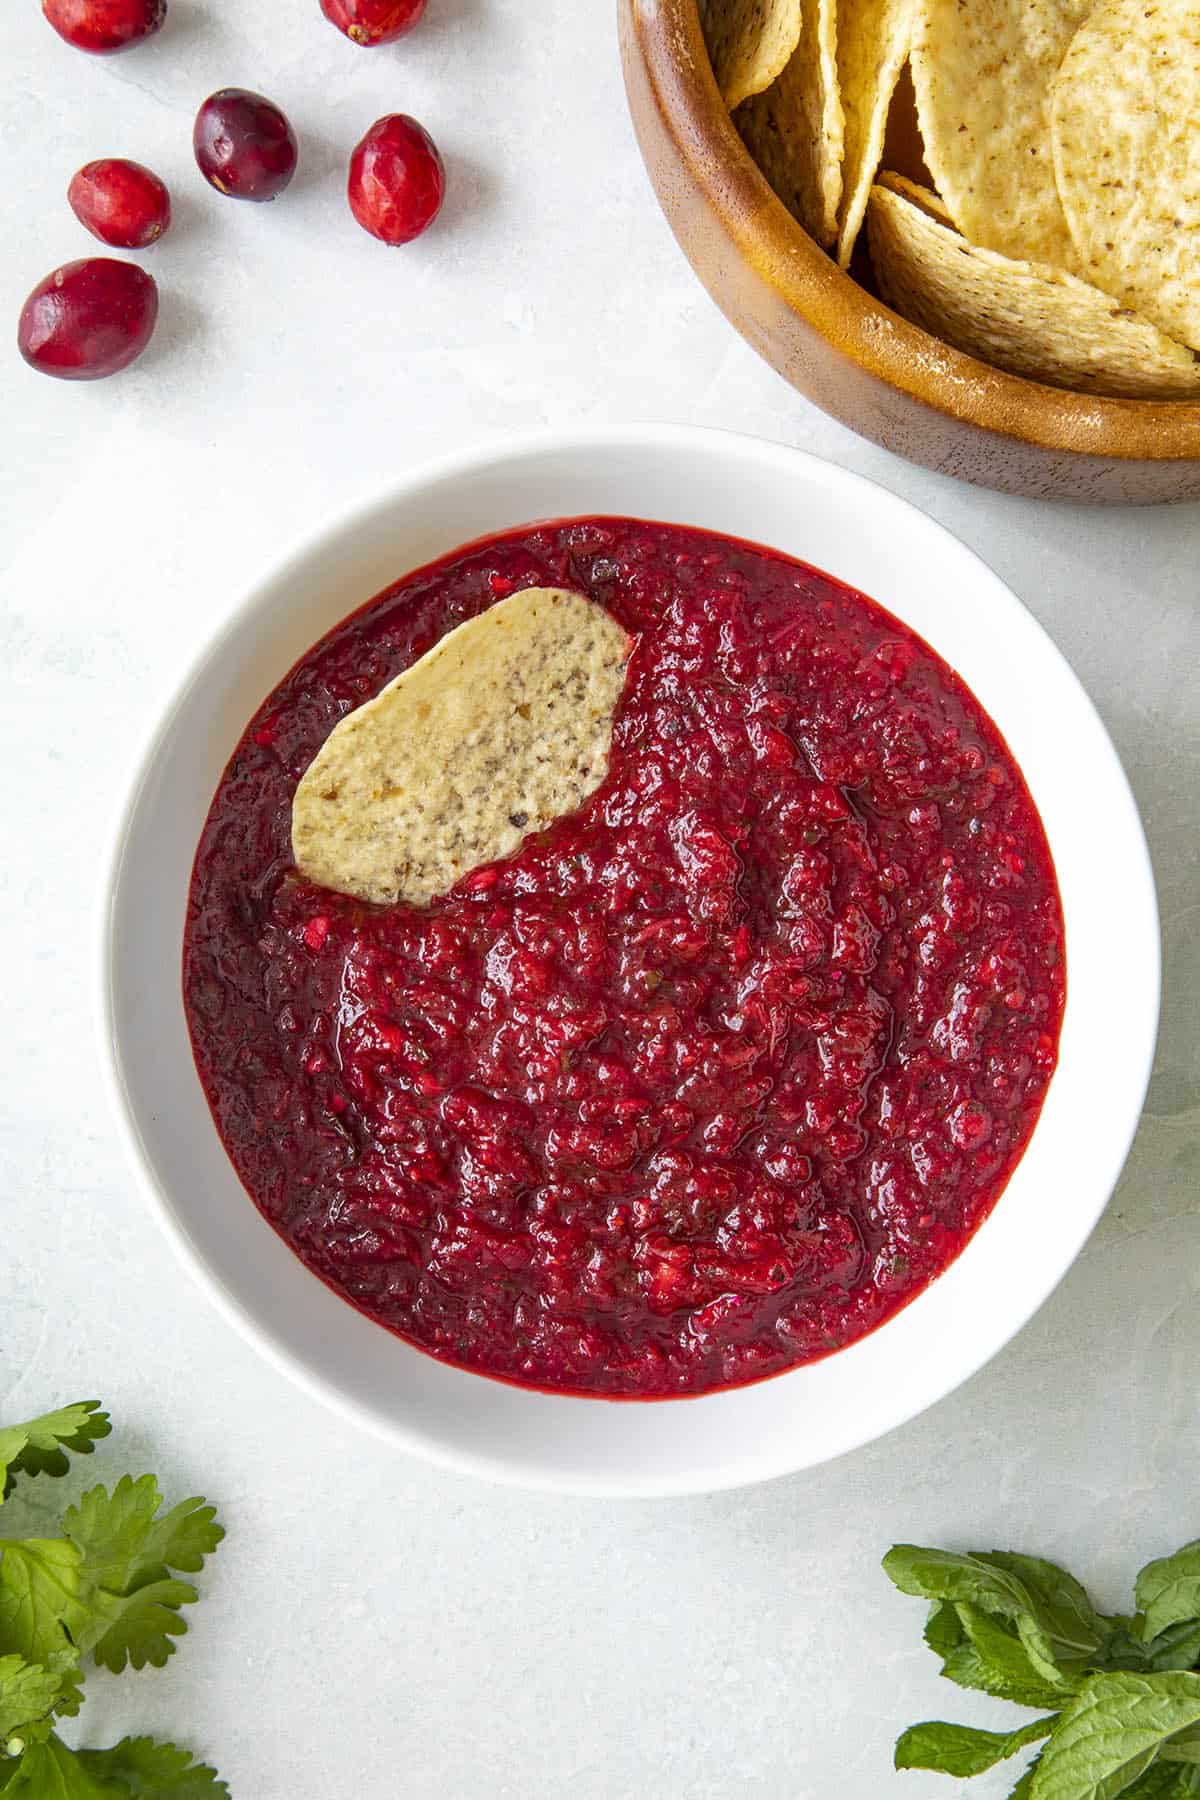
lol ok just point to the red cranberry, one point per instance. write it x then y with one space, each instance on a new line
244 145
120 202
104 26
397 180
373 21
88 319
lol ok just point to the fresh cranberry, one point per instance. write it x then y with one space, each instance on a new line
120 202
397 180
244 145
373 21
104 26
90 318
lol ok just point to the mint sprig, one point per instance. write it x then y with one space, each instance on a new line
961 1750
108 1589
1120 1694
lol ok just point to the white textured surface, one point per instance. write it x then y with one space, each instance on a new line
373 1628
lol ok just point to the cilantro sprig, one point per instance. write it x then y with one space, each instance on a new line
1119 1695
108 1590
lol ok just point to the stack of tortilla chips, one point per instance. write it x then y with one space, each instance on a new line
1047 217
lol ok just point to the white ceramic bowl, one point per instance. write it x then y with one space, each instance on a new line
869 538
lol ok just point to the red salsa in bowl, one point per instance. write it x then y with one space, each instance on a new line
708 1079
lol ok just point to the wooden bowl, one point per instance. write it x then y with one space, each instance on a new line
839 344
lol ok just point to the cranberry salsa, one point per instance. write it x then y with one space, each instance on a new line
712 1076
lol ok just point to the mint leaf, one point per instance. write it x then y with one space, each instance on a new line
1112 1733
990 1657
1004 1583
942 1629
951 1575
967 1669
1059 1605
41 1593
1183 1748
1160 1782
1125 1648
1060 1601
1024 1787
50 1771
1168 1591
1055 1620
1007 1663
1178 1647
961 1750
156 1771
40 1446
128 1554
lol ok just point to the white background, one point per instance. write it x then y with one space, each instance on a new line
374 1628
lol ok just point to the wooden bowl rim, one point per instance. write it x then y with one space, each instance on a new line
668 36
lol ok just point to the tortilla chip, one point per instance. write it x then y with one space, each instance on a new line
1126 126
501 728
873 41
920 196
1026 317
795 130
749 43
982 70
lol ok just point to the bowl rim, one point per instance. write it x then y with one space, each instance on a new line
852 320
305 1370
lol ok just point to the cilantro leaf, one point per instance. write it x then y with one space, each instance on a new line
1113 1732
40 1446
125 1545
50 1771
70 1697
156 1771
137 1628
41 1597
110 1586
1168 1591
134 1769
128 1555
961 1750
28 1693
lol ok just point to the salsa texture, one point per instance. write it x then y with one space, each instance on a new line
709 1078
